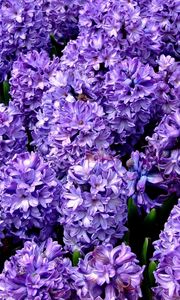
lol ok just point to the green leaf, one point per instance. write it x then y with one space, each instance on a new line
6 89
151 268
127 237
145 247
132 209
75 258
151 217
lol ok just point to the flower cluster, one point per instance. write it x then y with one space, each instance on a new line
12 133
69 126
29 196
27 25
30 79
163 149
109 273
94 208
37 273
167 251
89 149
144 180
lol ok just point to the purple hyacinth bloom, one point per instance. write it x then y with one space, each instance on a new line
94 202
143 178
27 25
164 151
37 273
69 125
167 252
13 138
167 276
165 16
24 26
109 274
168 88
169 238
128 96
30 79
29 196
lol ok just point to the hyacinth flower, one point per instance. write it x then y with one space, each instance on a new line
167 252
37 272
164 16
168 88
94 202
30 79
13 138
69 124
109 273
164 151
128 98
146 183
29 196
27 25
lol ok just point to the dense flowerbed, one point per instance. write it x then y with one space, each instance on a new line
89 150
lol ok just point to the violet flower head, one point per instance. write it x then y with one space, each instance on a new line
13 138
168 88
165 16
24 26
29 196
128 96
63 18
167 252
27 25
164 151
69 125
110 274
146 184
37 273
94 202
167 276
169 238
124 22
30 79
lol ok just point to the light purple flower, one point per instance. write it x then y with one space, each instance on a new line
94 208
68 128
29 196
167 252
110 274
30 79
37 273
13 138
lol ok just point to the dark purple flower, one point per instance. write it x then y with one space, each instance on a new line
29 196
109 274
13 138
37 273
143 182
94 202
